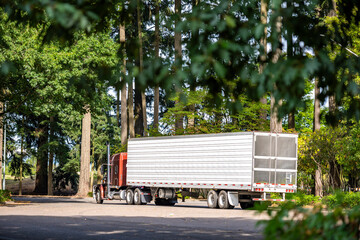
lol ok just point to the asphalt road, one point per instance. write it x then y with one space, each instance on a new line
69 218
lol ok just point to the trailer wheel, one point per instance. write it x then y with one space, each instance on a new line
98 197
212 199
129 197
223 200
137 197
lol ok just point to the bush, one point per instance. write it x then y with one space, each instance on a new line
302 199
295 222
342 199
5 195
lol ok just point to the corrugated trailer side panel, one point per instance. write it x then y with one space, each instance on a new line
196 161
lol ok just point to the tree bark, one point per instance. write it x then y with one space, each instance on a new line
179 122
141 59
1 142
290 54
275 123
42 159
316 127
130 104
318 181
139 122
335 179
263 56
21 157
117 107
84 179
140 100
316 121
124 125
157 51
191 117
291 121
51 158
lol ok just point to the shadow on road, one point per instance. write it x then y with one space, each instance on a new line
104 227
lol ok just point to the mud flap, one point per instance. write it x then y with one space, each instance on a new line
146 197
233 198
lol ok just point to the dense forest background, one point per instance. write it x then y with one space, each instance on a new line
78 74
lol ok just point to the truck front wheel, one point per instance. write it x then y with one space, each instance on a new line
98 198
212 199
130 197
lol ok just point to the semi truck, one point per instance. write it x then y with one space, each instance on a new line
234 168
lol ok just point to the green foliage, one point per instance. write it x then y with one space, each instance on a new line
291 222
342 200
5 195
66 17
338 147
14 168
67 175
302 199
210 119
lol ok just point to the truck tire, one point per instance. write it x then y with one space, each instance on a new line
212 199
129 197
223 200
98 198
137 197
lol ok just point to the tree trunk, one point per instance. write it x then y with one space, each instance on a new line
289 50
1 141
178 56
92 166
291 121
193 83
141 58
124 124
21 157
316 121
263 56
130 107
316 127
42 159
275 123
157 47
85 154
140 100
139 123
318 181
51 158
117 107
144 117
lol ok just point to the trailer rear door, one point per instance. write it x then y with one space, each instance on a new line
275 162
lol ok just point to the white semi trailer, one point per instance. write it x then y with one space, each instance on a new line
240 167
